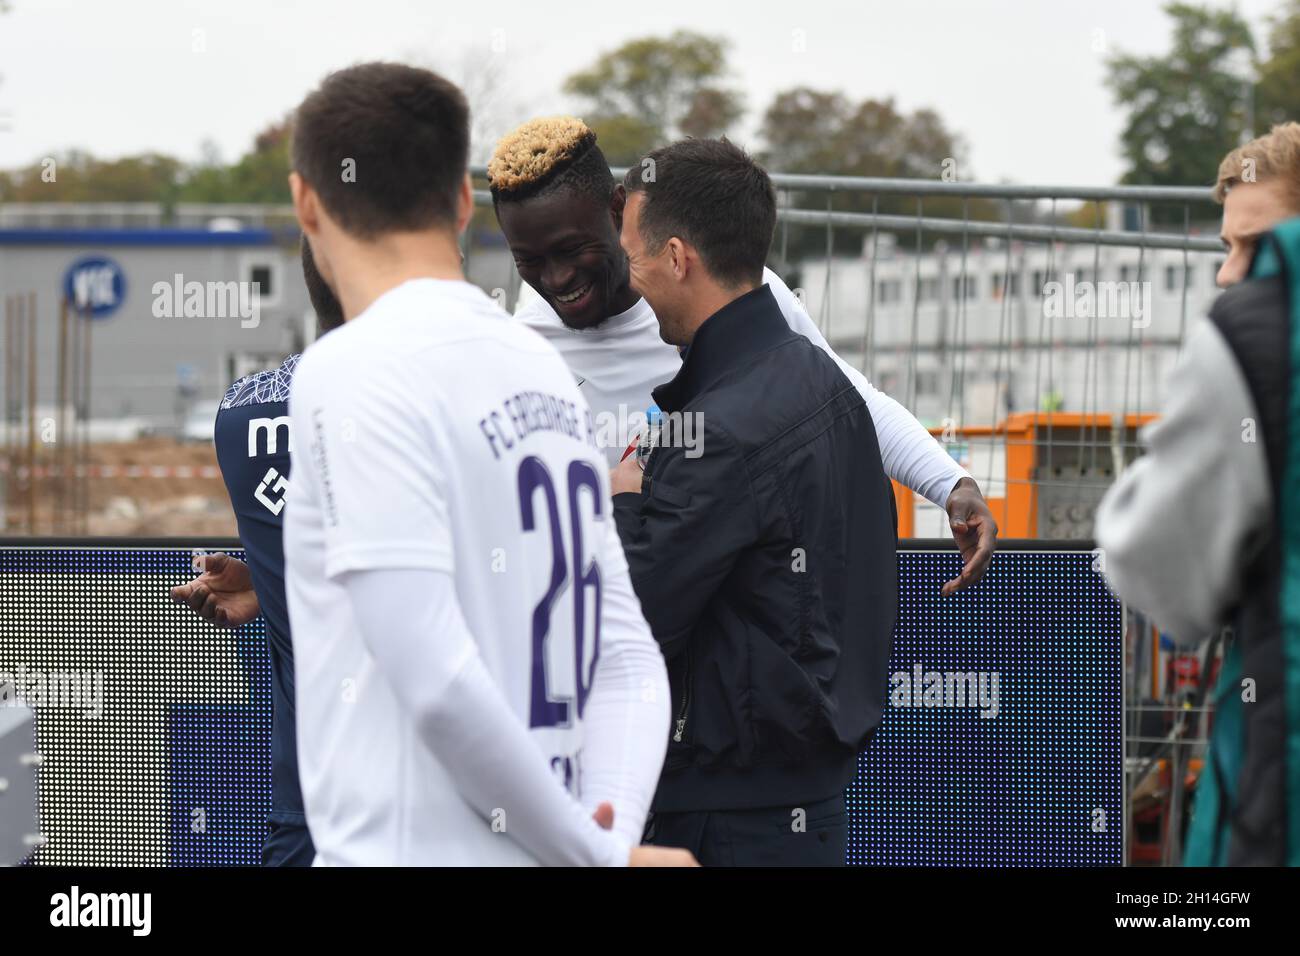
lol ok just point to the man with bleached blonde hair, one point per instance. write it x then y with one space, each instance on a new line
1259 186
561 211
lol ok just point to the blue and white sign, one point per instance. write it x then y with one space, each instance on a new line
95 283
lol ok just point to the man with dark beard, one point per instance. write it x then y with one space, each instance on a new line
229 593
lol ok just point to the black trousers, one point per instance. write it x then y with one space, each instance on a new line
815 834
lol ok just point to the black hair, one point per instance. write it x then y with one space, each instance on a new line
385 146
710 193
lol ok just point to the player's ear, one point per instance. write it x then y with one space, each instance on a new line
616 203
465 204
677 256
304 204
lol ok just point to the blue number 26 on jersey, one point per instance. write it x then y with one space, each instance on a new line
545 710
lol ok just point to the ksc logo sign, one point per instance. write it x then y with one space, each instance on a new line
95 283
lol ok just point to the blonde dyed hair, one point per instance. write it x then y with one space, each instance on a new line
534 153
1274 155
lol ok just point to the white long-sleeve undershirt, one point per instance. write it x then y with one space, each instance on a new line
908 451
629 710
424 649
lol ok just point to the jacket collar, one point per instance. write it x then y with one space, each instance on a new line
727 339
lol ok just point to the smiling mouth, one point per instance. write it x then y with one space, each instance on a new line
574 296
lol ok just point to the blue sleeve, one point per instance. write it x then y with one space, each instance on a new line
253 451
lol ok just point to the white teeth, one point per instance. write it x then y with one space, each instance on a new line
574 297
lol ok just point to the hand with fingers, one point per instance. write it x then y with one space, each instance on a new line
223 594
975 532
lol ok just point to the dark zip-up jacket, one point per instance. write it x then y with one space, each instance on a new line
762 547
1248 797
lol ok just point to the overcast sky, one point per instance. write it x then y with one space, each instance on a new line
1021 80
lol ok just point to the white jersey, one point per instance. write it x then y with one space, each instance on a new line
620 361
494 478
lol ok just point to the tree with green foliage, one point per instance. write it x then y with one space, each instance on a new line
820 132
259 176
809 131
79 177
653 90
1277 95
1188 108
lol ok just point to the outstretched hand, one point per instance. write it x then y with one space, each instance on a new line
975 532
223 594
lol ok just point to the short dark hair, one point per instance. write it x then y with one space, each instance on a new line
712 194
407 132
329 311
547 155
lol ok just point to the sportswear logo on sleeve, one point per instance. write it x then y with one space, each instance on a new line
278 485
271 426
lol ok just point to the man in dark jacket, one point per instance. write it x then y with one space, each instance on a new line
761 536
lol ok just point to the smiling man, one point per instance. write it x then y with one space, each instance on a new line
766 565
561 213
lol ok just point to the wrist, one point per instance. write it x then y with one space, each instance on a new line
963 484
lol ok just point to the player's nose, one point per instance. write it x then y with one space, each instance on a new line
1235 265
557 277
1232 271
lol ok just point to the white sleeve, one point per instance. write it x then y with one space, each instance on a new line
388 542
628 715
1179 526
377 467
413 627
909 452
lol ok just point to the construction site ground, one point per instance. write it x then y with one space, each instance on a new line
147 487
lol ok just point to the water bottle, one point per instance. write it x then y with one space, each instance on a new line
650 437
